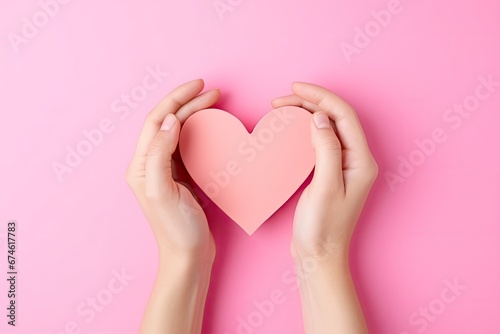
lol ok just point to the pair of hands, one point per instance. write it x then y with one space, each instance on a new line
328 208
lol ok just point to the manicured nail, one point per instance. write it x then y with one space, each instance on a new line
168 122
322 121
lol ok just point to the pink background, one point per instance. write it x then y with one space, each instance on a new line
441 223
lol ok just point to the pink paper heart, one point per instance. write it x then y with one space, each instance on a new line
248 175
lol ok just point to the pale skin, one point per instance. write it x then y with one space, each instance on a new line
324 220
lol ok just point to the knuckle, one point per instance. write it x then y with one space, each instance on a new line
155 148
373 168
319 98
129 176
371 171
151 117
330 143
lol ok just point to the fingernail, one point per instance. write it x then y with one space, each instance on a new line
168 122
322 121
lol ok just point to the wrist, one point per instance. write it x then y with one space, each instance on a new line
179 294
201 253
321 254
182 264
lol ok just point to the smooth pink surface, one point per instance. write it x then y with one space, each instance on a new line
442 222
248 175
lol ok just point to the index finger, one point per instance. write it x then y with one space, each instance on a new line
169 105
344 116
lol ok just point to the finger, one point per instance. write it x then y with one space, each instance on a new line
328 178
344 116
294 100
202 101
159 182
288 100
169 105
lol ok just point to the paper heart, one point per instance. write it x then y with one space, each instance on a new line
248 175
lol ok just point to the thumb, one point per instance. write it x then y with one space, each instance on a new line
328 178
159 182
